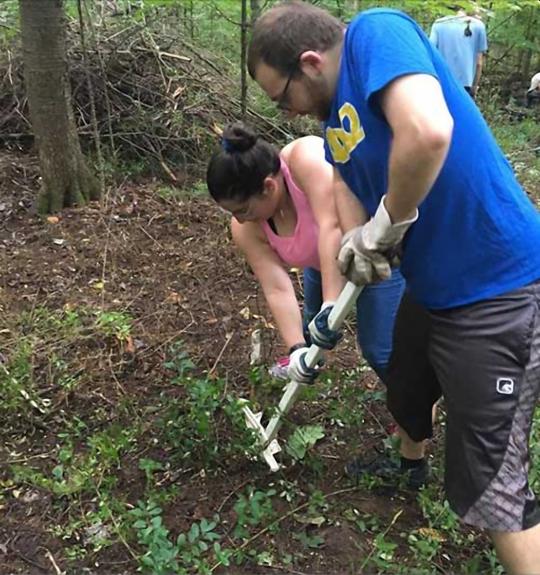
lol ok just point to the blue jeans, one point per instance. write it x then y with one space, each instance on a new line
376 310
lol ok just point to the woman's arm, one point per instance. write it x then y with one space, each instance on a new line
314 176
275 282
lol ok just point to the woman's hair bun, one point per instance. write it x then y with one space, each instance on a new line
237 137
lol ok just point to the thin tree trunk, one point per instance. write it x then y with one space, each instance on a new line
255 7
530 35
191 22
66 179
243 60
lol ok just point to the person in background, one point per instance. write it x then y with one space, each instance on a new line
462 40
284 215
533 93
408 142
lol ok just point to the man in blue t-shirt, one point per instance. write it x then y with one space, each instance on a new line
462 41
437 192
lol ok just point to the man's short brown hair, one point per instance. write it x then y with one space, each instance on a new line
287 30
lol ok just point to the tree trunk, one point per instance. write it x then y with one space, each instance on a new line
243 60
530 35
66 179
255 6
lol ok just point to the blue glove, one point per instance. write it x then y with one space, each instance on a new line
298 370
321 334
305 328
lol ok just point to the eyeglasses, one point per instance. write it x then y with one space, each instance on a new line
243 212
282 103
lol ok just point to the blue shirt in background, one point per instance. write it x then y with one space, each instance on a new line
478 234
458 49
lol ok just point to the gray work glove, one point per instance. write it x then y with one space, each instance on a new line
368 252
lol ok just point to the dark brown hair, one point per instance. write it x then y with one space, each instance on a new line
237 170
287 30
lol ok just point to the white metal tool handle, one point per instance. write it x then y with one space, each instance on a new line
346 300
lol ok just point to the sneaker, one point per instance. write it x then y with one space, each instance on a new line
280 369
389 471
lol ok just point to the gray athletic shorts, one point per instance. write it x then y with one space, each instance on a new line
485 358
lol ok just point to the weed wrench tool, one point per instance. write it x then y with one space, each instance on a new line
267 435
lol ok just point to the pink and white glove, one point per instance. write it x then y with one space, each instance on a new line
280 369
298 370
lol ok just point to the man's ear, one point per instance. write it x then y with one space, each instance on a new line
311 62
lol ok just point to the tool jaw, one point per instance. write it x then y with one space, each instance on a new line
270 448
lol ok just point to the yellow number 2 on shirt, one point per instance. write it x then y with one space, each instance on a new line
341 141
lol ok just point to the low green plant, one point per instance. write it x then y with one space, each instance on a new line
424 546
83 470
309 540
192 552
199 189
114 323
160 554
170 193
384 552
149 466
17 384
179 362
198 543
61 373
47 323
191 423
252 509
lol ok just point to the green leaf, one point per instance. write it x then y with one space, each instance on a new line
194 533
211 536
58 472
207 525
303 439
181 540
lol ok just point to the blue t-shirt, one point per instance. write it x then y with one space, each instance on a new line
459 50
478 234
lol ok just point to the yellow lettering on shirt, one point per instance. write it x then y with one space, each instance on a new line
342 142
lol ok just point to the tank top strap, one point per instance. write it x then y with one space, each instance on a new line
299 198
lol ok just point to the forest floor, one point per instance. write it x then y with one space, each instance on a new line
125 337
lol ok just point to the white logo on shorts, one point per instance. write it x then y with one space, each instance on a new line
505 385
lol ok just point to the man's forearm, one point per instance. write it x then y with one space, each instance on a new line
416 110
413 169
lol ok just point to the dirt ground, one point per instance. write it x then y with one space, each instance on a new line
169 263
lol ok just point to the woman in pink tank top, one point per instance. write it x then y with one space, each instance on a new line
283 216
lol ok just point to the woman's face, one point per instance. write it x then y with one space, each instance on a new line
258 207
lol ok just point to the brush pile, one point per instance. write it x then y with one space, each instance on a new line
159 99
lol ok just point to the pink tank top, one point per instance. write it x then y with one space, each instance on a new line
300 249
